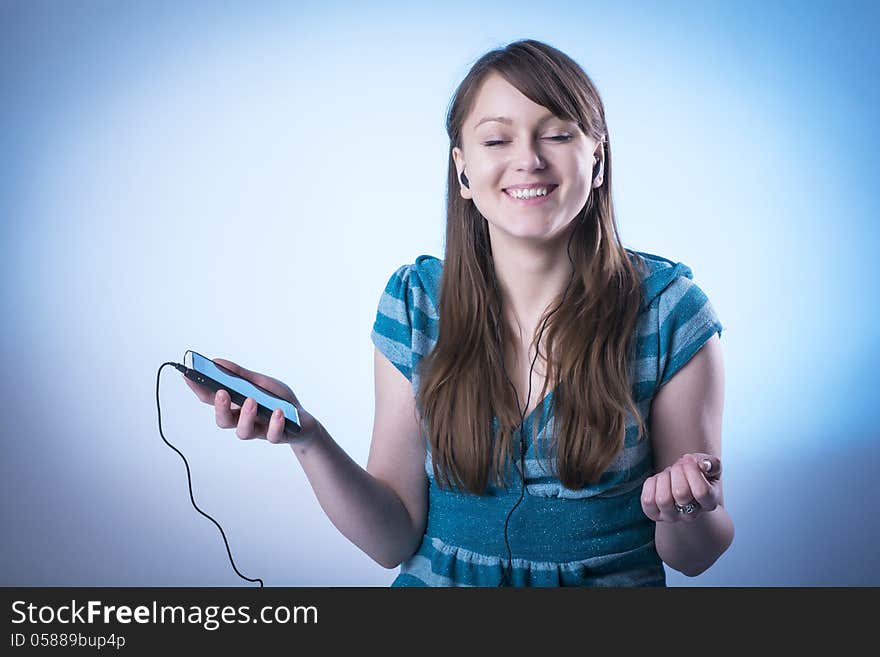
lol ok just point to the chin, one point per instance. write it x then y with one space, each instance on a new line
524 230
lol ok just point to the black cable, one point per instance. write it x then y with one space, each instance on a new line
183 369
508 568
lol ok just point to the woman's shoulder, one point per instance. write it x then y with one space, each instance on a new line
659 274
407 322
420 278
429 270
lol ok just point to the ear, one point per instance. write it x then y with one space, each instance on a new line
458 159
600 176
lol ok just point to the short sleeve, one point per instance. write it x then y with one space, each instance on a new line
392 330
686 320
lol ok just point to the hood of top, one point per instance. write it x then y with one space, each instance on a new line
659 273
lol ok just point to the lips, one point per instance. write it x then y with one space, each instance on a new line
550 187
532 199
529 202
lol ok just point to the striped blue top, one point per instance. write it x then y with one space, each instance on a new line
593 536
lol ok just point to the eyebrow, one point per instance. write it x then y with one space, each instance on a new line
509 121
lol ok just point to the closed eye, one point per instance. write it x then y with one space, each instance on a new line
495 142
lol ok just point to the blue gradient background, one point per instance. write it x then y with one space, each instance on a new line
215 175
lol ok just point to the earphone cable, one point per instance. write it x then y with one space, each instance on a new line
507 569
189 477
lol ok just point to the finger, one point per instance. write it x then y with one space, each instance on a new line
663 496
275 433
681 489
700 488
247 421
649 504
226 418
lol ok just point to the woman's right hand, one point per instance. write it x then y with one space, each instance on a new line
247 423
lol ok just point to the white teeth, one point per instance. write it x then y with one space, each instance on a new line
528 193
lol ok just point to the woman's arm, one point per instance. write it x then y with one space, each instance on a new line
686 429
382 509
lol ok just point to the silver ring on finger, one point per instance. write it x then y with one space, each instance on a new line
688 508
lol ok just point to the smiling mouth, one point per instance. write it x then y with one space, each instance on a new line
531 200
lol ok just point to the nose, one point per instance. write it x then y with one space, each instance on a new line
527 156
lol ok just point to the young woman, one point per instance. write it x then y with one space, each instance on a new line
470 482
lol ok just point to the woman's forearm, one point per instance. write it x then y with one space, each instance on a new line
365 509
691 547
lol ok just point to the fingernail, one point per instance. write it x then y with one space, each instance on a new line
252 405
707 465
277 414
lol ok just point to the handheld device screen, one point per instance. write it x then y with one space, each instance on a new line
234 383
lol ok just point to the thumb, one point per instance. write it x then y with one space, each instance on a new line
235 368
709 465
269 384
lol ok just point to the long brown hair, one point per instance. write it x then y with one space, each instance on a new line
590 338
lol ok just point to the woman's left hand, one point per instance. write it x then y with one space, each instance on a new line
685 482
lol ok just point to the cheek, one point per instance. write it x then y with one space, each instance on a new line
489 174
578 193
585 169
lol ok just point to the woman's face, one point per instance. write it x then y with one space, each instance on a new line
534 148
